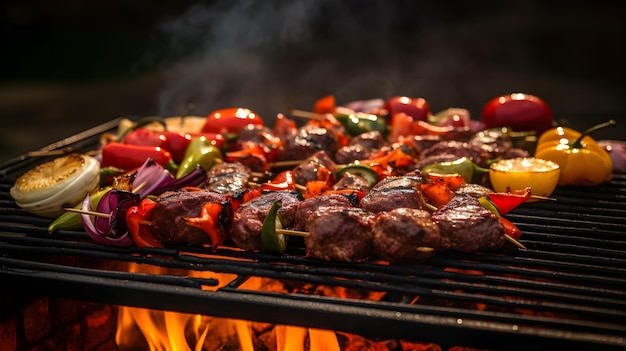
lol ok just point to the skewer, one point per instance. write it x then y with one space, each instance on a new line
307 114
512 240
42 153
98 214
539 197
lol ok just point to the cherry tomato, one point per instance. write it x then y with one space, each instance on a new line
518 111
415 107
230 120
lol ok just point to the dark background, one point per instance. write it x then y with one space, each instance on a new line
69 65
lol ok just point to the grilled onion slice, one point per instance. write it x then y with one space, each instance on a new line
63 182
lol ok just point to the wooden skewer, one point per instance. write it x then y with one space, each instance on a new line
424 249
539 197
307 114
98 214
510 239
293 232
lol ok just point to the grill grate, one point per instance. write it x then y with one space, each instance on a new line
568 289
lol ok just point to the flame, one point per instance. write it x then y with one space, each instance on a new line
174 331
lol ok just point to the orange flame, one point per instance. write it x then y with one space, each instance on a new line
174 331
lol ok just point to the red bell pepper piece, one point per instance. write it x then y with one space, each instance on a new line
174 142
510 229
254 157
325 104
506 202
454 181
283 181
127 157
137 219
437 193
209 222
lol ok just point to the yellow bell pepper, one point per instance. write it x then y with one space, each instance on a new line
581 160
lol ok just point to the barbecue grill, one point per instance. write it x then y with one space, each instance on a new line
566 290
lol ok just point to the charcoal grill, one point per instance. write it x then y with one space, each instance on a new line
566 290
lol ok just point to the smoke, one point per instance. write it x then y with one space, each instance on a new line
267 55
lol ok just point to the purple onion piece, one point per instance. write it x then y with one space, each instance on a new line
116 203
154 179
89 225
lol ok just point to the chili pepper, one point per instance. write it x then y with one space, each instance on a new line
72 220
581 159
359 123
506 202
200 152
209 221
270 239
126 156
510 229
463 166
136 220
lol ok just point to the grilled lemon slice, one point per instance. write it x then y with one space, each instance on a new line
63 182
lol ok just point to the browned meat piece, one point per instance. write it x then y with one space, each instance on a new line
256 134
353 182
171 209
400 232
395 192
227 178
310 168
319 203
476 153
344 235
475 190
370 140
467 226
307 141
248 219
351 153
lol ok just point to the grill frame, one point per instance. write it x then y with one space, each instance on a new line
583 242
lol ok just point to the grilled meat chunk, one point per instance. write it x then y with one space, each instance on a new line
171 209
344 235
227 178
403 235
248 219
307 141
351 153
475 190
352 182
312 166
319 203
467 226
395 192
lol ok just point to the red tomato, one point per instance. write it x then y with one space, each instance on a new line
415 107
230 120
518 111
